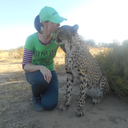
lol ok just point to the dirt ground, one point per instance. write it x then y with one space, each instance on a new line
16 110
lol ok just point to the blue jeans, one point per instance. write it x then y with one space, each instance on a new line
40 88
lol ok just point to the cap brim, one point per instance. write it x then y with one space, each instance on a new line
58 19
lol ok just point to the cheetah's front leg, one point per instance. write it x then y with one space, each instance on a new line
81 101
68 92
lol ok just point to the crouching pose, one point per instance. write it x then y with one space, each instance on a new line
38 60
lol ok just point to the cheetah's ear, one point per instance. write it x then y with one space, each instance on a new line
75 28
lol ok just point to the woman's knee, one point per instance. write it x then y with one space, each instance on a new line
49 104
36 78
39 82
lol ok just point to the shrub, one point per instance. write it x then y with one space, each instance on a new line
90 42
16 53
114 65
125 42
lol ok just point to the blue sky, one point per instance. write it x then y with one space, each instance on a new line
101 20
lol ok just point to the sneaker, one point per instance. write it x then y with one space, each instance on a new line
37 104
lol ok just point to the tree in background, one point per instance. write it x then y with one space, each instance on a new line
90 42
125 42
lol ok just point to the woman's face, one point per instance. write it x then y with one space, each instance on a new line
52 27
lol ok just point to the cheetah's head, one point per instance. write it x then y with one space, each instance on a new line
65 33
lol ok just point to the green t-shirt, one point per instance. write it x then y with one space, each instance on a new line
42 55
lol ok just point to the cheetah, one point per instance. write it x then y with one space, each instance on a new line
80 63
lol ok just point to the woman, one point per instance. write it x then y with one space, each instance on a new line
38 63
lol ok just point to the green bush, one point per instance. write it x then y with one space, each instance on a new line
114 65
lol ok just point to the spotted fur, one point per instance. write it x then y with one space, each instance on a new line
80 63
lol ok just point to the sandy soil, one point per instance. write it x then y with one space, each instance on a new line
16 109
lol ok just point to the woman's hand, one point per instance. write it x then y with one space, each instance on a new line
46 73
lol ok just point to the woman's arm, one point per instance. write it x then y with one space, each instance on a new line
27 57
31 67
27 66
45 71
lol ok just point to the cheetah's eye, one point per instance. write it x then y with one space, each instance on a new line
58 37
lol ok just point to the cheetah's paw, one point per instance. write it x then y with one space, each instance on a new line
63 107
80 113
97 100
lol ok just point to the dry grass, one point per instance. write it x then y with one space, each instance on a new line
60 57
95 51
59 61
13 85
16 55
12 55
4 56
12 91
